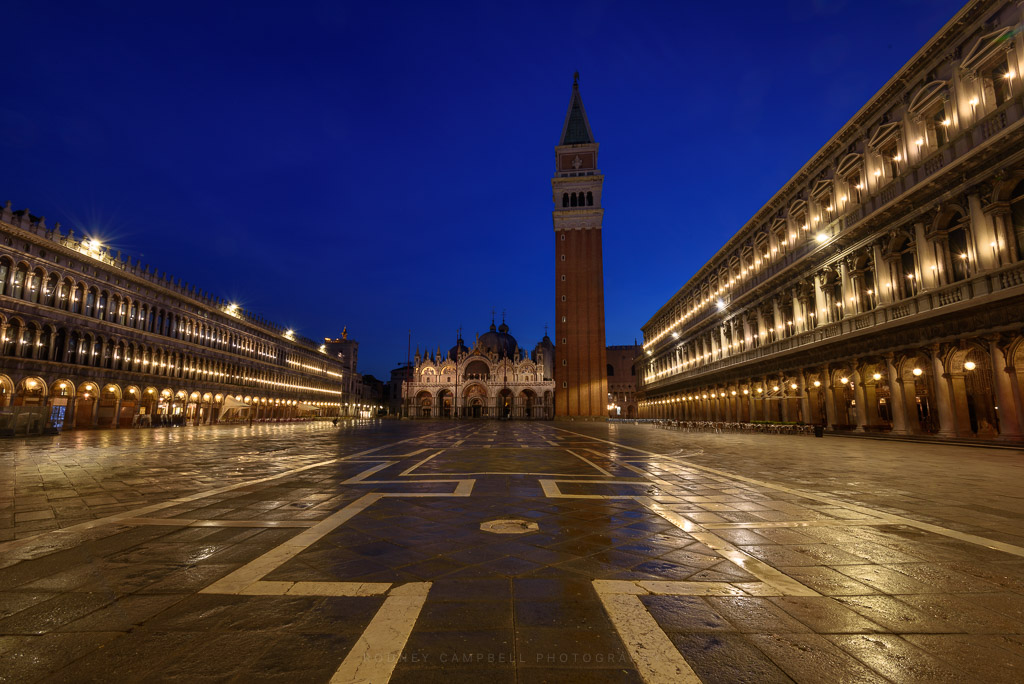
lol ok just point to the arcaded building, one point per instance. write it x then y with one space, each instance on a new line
89 338
493 379
882 287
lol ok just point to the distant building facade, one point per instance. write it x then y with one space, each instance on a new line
581 384
494 379
622 385
393 388
98 340
346 351
882 288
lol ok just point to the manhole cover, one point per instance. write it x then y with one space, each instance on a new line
509 526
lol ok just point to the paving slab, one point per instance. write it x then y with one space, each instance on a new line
382 551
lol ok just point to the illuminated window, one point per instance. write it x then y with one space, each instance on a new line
997 83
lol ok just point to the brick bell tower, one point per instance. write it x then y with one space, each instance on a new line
581 376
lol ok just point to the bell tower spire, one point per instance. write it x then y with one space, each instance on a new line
581 378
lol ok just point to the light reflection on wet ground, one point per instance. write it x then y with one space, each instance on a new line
278 551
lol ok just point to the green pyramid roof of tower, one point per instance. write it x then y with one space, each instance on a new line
576 130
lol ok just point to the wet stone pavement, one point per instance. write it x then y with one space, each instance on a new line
504 552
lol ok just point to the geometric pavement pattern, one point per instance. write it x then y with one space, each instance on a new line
351 555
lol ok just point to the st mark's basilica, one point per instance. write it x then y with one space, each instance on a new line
493 379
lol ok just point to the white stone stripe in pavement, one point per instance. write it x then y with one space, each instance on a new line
257 569
379 648
116 518
592 465
653 653
756 567
878 515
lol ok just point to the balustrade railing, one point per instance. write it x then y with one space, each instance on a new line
1005 278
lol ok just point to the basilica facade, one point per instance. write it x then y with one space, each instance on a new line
493 379
882 288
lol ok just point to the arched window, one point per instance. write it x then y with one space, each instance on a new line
50 295
582 199
74 341
90 302
43 347
908 269
28 341
958 253
10 342
60 345
590 199
18 284
611 370
35 286
5 273
572 200
565 199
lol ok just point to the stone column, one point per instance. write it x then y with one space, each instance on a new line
897 402
1002 377
805 399
766 413
983 233
830 396
847 289
1005 238
861 397
961 417
857 292
929 277
883 294
777 317
751 406
944 404
871 416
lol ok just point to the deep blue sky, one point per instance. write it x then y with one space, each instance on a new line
387 166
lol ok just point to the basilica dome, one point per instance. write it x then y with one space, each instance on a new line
499 341
459 348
